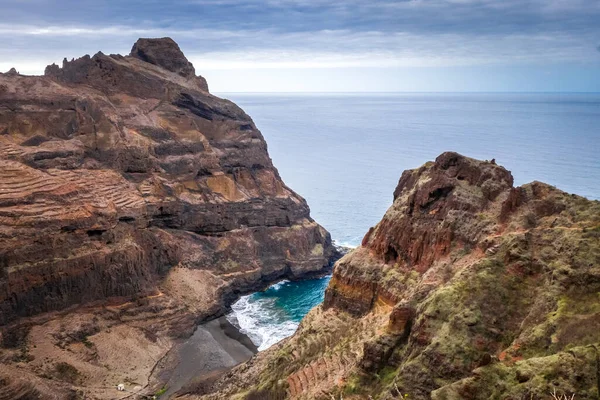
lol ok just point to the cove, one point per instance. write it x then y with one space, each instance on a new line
271 315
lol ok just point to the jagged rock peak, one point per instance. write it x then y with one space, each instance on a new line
451 167
468 288
165 53
152 64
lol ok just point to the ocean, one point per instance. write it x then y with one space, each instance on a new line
269 316
344 153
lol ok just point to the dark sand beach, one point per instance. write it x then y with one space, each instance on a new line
215 345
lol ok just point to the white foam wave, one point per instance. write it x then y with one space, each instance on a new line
261 321
279 285
344 245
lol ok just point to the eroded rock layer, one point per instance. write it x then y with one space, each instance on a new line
468 288
122 177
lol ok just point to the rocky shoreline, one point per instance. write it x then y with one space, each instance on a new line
135 205
214 347
216 342
468 288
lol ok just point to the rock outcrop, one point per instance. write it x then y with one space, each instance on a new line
468 288
123 177
164 53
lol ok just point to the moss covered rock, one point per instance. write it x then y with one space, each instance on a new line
469 288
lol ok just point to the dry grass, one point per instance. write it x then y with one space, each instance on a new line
556 396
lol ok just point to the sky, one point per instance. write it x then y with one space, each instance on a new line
328 45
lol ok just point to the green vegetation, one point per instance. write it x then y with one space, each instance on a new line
353 385
317 250
66 372
87 343
535 378
509 310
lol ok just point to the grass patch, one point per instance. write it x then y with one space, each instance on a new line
87 343
66 372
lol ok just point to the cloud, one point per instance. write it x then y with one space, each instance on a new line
413 16
270 34
237 50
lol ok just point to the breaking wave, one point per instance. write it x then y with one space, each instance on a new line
274 314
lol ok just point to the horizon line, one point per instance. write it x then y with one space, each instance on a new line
409 92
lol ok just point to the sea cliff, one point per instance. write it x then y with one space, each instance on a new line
134 204
468 288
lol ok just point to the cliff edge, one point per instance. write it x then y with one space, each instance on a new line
133 196
468 288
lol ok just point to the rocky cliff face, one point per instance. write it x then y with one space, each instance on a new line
468 288
124 177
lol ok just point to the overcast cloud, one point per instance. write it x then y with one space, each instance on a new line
262 38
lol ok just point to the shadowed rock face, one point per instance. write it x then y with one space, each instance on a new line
115 169
164 53
435 211
468 288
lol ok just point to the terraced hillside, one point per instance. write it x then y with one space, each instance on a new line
122 178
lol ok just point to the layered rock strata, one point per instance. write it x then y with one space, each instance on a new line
122 177
468 288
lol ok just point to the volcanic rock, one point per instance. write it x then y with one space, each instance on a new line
165 53
468 288
122 178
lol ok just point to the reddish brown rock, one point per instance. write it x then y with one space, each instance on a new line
401 319
468 288
115 169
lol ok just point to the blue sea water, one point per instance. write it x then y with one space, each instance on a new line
269 316
345 153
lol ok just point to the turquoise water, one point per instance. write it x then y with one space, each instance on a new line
269 316
295 299
345 153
